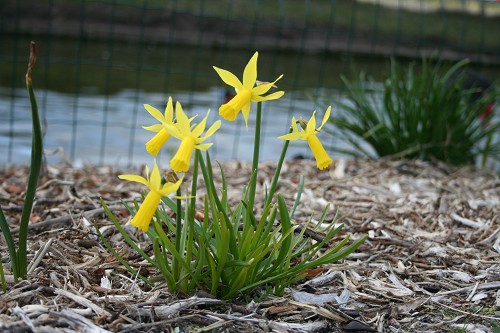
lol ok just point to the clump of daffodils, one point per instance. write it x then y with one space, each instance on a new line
228 251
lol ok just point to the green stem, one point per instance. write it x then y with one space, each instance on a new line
194 184
178 232
255 161
276 176
36 163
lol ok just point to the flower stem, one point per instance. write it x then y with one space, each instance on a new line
276 176
178 231
36 163
255 161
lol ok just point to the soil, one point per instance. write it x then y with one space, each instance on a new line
431 262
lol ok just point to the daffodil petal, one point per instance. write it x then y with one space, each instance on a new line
169 111
325 117
153 128
154 112
263 88
155 177
215 126
294 125
228 78
173 130
183 123
246 111
250 72
269 97
203 146
135 178
311 124
199 128
171 187
292 136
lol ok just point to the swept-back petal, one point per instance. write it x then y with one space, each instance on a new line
153 128
311 124
183 123
246 111
203 146
154 112
269 97
228 78
250 72
291 136
171 187
174 131
155 178
199 128
263 88
169 111
294 125
135 178
325 117
215 126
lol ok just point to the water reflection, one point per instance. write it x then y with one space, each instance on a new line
99 129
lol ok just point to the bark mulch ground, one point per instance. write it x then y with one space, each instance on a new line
431 262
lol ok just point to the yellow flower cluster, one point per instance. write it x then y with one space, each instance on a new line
191 135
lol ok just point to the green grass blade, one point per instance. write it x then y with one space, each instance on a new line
35 168
11 246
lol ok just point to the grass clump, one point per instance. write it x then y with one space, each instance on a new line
425 111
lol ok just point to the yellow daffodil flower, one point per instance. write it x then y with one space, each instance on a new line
246 91
310 135
154 145
190 138
153 181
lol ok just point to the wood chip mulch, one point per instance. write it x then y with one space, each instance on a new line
431 262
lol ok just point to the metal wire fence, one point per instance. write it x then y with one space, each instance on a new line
100 61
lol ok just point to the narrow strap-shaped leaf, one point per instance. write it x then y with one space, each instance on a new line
35 168
10 245
169 278
297 199
208 177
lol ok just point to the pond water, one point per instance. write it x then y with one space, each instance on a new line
99 129
91 96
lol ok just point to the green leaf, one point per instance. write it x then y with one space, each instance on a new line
10 245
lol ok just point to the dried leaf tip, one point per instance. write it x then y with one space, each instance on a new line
32 61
